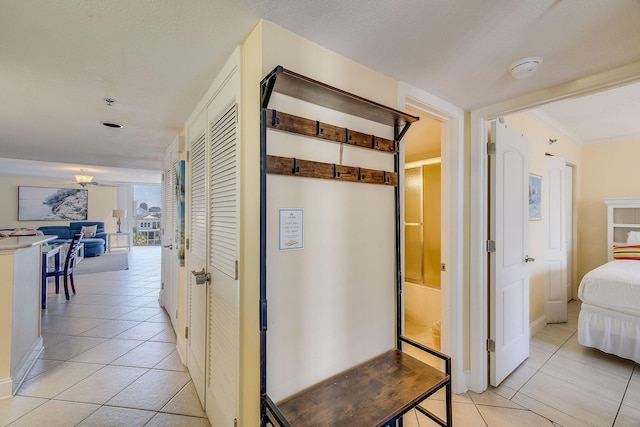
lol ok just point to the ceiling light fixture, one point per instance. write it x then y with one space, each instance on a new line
525 67
83 179
112 125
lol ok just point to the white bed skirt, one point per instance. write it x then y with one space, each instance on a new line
609 331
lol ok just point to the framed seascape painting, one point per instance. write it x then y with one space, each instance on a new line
52 204
535 197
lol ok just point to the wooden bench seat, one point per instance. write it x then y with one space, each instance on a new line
371 394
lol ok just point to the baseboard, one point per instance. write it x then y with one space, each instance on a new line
181 346
27 363
6 386
537 325
463 386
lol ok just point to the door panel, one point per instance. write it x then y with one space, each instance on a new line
224 340
555 252
569 228
509 276
196 344
170 260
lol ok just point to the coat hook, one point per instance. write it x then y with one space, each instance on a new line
552 141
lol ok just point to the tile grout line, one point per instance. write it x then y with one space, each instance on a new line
624 394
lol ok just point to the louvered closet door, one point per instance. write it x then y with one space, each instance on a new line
170 261
197 257
223 373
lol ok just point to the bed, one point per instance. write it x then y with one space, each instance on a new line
609 317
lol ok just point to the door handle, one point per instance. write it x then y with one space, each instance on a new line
529 259
168 246
202 276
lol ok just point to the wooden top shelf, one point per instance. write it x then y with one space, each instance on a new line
298 86
369 395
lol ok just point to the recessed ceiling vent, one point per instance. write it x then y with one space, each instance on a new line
112 125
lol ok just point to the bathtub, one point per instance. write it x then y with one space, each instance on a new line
422 304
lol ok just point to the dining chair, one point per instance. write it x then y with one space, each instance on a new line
69 264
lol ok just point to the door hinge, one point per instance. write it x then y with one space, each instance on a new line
186 332
443 267
236 278
187 243
188 156
162 286
491 345
491 246
162 179
491 148
176 313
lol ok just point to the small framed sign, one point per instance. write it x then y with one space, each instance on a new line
291 229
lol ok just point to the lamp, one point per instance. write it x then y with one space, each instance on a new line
119 213
83 179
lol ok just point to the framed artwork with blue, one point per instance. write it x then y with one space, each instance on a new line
535 197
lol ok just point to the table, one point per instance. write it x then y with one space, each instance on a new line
48 252
118 241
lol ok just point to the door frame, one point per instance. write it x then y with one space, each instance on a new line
478 378
452 191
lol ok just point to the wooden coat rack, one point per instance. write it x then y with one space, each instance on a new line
380 391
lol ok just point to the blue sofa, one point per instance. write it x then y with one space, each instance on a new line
93 246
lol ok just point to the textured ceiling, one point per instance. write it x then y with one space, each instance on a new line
60 59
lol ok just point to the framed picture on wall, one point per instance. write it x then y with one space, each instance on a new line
535 197
52 204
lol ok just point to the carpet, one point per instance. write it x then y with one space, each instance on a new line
102 263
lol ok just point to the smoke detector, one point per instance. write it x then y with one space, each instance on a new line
524 68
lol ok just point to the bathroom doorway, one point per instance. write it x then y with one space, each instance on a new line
422 231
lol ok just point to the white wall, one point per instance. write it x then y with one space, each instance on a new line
331 304
102 200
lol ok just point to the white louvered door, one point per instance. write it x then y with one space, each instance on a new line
170 260
213 346
197 295
224 342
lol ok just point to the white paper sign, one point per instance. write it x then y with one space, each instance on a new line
291 229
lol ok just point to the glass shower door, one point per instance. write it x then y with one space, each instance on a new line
413 232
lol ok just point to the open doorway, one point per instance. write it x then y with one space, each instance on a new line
422 230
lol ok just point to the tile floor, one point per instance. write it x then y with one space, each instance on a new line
110 357
561 384
110 360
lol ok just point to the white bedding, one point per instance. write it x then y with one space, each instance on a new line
614 285
609 331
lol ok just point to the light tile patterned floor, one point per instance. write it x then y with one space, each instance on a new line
561 384
109 358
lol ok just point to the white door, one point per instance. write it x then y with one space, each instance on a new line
569 227
222 384
170 261
509 275
555 235
197 256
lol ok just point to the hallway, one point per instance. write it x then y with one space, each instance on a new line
110 357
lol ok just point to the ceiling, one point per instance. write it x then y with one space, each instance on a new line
60 60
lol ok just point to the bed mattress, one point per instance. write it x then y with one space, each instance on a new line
614 285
